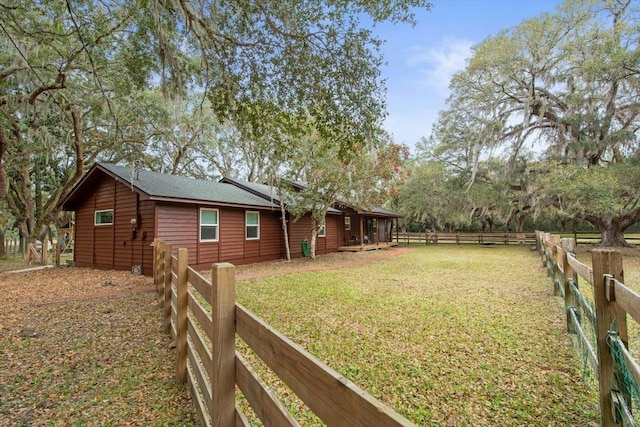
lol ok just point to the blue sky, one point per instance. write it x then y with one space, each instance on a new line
422 59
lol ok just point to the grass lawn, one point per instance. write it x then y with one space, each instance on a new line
11 263
446 335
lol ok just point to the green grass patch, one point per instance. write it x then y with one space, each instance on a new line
445 335
10 263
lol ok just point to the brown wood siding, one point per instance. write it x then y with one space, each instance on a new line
178 226
334 226
271 235
83 235
114 246
301 230
146 235
298 231
103 235
125 211
123 244
232 237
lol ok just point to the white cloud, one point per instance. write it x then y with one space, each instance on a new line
439 63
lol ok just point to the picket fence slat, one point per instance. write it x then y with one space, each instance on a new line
262 400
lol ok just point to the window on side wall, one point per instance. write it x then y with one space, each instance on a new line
209 225
252 222
104 217
323 229
347 223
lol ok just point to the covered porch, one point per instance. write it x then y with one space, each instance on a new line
368 229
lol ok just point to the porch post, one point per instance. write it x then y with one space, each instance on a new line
361 231
398 230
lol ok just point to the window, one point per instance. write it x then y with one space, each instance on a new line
347 223
104 217
323 229
208 225
252 222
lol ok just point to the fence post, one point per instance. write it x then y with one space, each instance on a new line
56 259
45 250
555 258
166 286
223 308
457 237
155 261
160 264
606 261
568 245
181 315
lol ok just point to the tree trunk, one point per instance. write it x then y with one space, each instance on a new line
3 249
285 231
612 229
4 145
612 236
314 236
519 222
23 232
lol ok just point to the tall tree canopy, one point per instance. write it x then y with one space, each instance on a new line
565 87
79 81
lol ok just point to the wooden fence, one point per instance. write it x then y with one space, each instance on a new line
16 247
463 238
204 320
617 372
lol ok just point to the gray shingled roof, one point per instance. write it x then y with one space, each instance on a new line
267 191
383 211
160 185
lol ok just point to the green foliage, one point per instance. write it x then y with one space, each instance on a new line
173 86
603 191
558 89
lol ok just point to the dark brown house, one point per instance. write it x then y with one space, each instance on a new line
353 226
119 212
330 240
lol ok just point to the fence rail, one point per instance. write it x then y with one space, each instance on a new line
617 372
496 238
462 238
204 320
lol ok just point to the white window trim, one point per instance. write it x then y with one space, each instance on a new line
246 225
217 225
323 229
95 217
347 223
